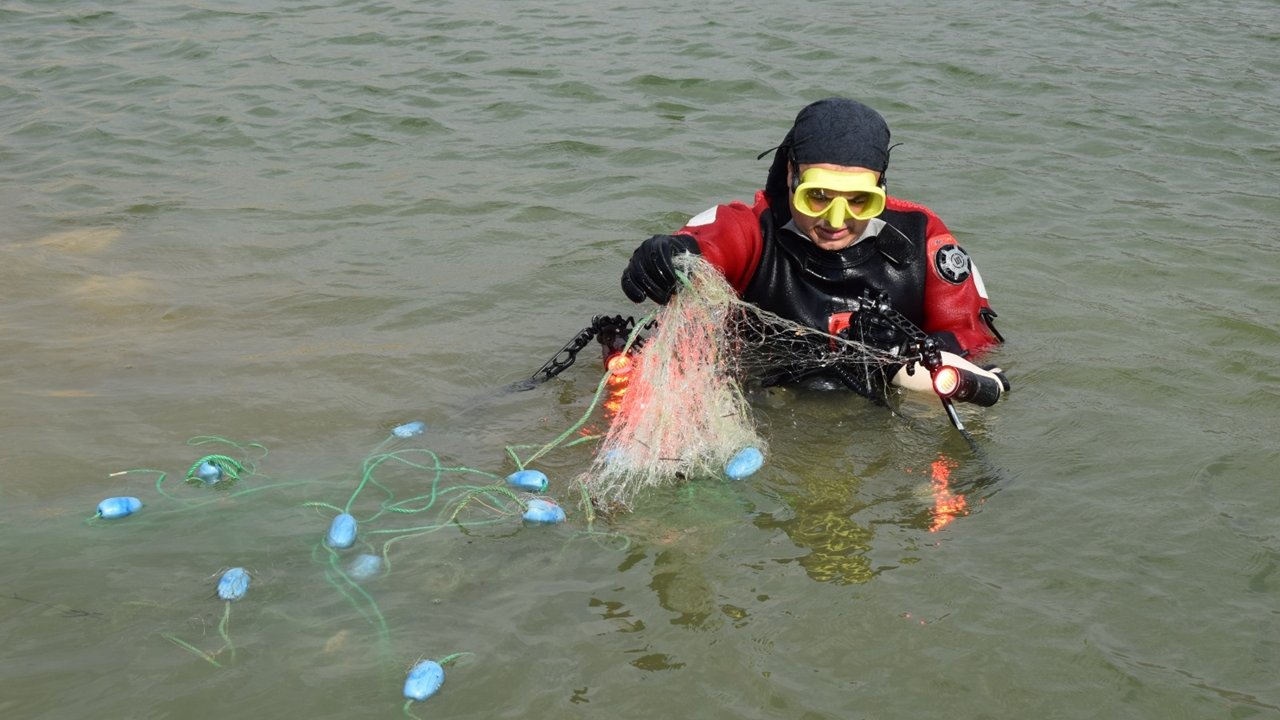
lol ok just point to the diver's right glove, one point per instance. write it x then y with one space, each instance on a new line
651 272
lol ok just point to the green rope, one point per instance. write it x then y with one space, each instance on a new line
326 505
349 586
448 660
586 416
191 648
244 449
448 491
228 466
209 656
222 631
188 505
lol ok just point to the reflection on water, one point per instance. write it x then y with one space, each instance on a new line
682 589
835 518
947 505
822 524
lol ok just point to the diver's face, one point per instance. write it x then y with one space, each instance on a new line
819 230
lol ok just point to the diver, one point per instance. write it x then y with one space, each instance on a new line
823 243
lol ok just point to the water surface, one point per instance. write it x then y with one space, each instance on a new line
301 226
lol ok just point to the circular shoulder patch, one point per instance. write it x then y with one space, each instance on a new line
952 263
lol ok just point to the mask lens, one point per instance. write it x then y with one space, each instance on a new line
838 196
815 201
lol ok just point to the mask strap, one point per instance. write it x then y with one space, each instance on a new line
884 172
766 152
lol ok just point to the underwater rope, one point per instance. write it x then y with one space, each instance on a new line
232 586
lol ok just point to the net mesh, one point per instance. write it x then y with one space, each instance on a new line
684 413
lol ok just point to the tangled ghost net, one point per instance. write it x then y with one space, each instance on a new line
684 414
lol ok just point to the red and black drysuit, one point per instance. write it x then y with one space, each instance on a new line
911 257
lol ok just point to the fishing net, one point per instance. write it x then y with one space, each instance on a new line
684 413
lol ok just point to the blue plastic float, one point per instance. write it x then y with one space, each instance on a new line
744 464
424 680
118 507
233 584
409 429
208 472
342 532
543 511
531 480
364 566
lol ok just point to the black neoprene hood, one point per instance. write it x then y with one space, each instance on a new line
840 131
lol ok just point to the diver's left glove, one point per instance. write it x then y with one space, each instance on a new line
651 272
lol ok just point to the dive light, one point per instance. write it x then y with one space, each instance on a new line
953 383
618 363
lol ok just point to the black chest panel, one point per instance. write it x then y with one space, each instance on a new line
806 284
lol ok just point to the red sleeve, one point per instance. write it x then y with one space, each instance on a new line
954 295
729 238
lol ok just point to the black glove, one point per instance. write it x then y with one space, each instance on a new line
872 329
651 273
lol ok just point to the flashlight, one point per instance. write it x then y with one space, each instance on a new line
618 363
953 383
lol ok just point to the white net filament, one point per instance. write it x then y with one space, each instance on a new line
684 414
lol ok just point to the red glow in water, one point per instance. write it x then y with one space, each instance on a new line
619 367
947 506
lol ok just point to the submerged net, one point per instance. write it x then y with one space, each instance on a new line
684 413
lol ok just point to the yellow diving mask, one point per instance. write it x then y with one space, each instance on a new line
838 196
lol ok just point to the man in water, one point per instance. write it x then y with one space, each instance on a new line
822 236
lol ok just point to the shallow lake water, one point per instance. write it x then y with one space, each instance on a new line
277 234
